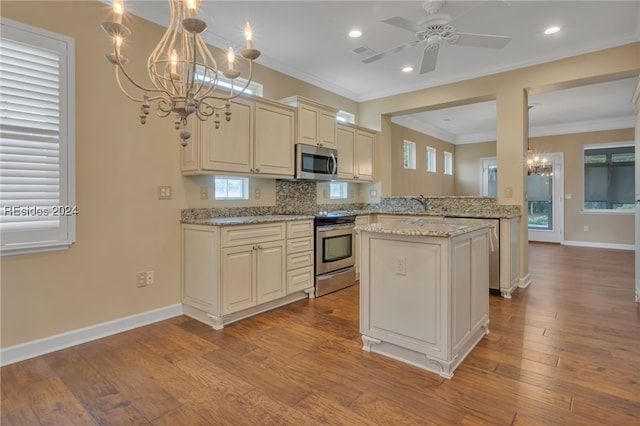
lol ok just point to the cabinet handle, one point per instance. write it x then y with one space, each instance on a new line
356 177
259 247
254 248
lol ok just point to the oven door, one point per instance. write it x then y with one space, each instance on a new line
335 247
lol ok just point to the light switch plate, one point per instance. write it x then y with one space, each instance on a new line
165 193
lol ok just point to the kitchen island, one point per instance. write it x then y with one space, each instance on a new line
424 290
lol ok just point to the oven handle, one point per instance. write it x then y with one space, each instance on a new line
325 228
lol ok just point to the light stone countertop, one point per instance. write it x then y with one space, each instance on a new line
247 220
435 213
427 227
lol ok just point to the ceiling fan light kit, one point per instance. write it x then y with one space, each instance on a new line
433 30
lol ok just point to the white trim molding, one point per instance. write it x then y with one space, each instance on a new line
60 341
612 246
525 281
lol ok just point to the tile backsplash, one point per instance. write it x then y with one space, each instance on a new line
301 197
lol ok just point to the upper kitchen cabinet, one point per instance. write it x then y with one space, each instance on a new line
316 122
257 141
355 152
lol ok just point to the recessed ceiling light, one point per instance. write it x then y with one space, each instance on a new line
407 69
355 33
551 30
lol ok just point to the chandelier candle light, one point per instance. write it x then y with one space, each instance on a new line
183 72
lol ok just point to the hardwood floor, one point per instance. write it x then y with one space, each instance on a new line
564 351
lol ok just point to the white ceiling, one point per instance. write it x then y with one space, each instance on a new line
308 40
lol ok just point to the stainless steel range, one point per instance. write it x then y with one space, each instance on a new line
335 251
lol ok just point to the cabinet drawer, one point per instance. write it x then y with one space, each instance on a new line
252 234
299 244
301 228
300 279
299 260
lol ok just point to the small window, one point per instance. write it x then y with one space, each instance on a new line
231 188
37 140
609 178
431 159
345 117
409 152
448 163
338 190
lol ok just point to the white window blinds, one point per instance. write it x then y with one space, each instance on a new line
37 197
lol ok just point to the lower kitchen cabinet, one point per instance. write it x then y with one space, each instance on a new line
232 272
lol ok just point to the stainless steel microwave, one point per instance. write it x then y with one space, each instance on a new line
316 163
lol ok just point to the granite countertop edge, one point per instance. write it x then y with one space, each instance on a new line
426 228
246 220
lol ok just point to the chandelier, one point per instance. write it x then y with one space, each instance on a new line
538 166
183 72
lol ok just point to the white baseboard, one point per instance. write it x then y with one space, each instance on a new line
54 343
525 281
613 246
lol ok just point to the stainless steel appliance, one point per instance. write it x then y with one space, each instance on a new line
335 251
316 163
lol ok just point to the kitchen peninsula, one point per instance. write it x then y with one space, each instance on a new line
424 290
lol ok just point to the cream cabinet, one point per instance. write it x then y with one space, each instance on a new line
360 220
356 147
232 272
424 300
300 257
258 140
317 123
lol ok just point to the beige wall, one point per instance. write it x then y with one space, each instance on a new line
467 166
603 228
122 227
510 90
419 181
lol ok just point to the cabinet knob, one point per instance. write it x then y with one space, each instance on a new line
257 170
319 144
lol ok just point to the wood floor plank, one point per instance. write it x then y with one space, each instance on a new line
565 350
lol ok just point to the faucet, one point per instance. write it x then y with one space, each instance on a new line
422 200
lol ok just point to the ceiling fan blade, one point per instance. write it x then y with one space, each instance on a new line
405 24
482 40
429 58
394 50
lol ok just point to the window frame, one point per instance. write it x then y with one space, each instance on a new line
245 188
431 159
30 239
343 190
409 162
585 210
448 163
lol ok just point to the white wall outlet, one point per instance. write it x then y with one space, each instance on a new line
256 193
204 192
568 196
164 193
150 277
586 228
400 265
373 193
141 279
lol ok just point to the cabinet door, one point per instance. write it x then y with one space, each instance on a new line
189 154
307 125
271 271
327 129
238 278
346 147
274 140
364 155
200 267
229 148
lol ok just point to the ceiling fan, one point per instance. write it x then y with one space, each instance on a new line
433 30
